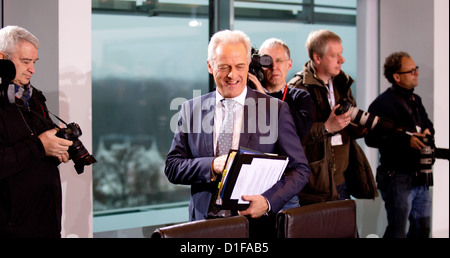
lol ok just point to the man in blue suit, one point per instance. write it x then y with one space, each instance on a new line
261 123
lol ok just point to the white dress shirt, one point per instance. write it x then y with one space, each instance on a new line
238 112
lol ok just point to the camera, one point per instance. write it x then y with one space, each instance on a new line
77 151
256 66
427 154
427 158
372 122
365 119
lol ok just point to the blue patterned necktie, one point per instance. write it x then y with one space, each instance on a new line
225 139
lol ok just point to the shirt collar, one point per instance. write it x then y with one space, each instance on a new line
239 99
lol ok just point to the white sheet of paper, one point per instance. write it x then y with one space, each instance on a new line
257 177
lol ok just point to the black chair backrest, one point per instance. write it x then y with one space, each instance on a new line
231 227
334 219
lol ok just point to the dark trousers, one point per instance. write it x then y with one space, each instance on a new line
405 200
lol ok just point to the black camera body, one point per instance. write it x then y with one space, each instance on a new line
344 106
77 151
256 66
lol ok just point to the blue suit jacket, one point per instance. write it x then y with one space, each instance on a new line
270 130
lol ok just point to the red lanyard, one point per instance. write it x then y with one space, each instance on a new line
285 91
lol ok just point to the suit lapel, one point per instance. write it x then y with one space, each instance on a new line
248 122
208 106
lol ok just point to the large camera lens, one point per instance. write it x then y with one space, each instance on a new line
427 161
426 155
77 151
80 156
364 118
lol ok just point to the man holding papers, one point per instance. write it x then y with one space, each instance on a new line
258 122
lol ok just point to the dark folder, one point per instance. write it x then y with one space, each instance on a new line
247 172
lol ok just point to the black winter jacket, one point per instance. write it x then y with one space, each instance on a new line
30 185
398 104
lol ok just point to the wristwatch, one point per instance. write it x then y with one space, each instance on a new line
326 132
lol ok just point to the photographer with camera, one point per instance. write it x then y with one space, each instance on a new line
274 79
30 151
402 178
274 84
337 162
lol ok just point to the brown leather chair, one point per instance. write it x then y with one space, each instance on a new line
334 219
231 227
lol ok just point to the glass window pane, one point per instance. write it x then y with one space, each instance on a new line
294 34
140 65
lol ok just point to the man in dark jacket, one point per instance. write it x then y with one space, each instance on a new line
299 100
30 186
330 146
402 181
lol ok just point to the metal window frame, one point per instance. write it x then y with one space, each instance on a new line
223 12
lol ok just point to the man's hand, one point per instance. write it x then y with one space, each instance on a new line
416 142
258 206
65 157
217 166
256 82
335 123
55 146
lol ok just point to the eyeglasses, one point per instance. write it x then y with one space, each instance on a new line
278 62
412 72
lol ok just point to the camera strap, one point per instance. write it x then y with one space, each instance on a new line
39 115
330 93
285 92
25 121
62 121
401 98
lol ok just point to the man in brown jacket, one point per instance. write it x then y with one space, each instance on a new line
330 146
